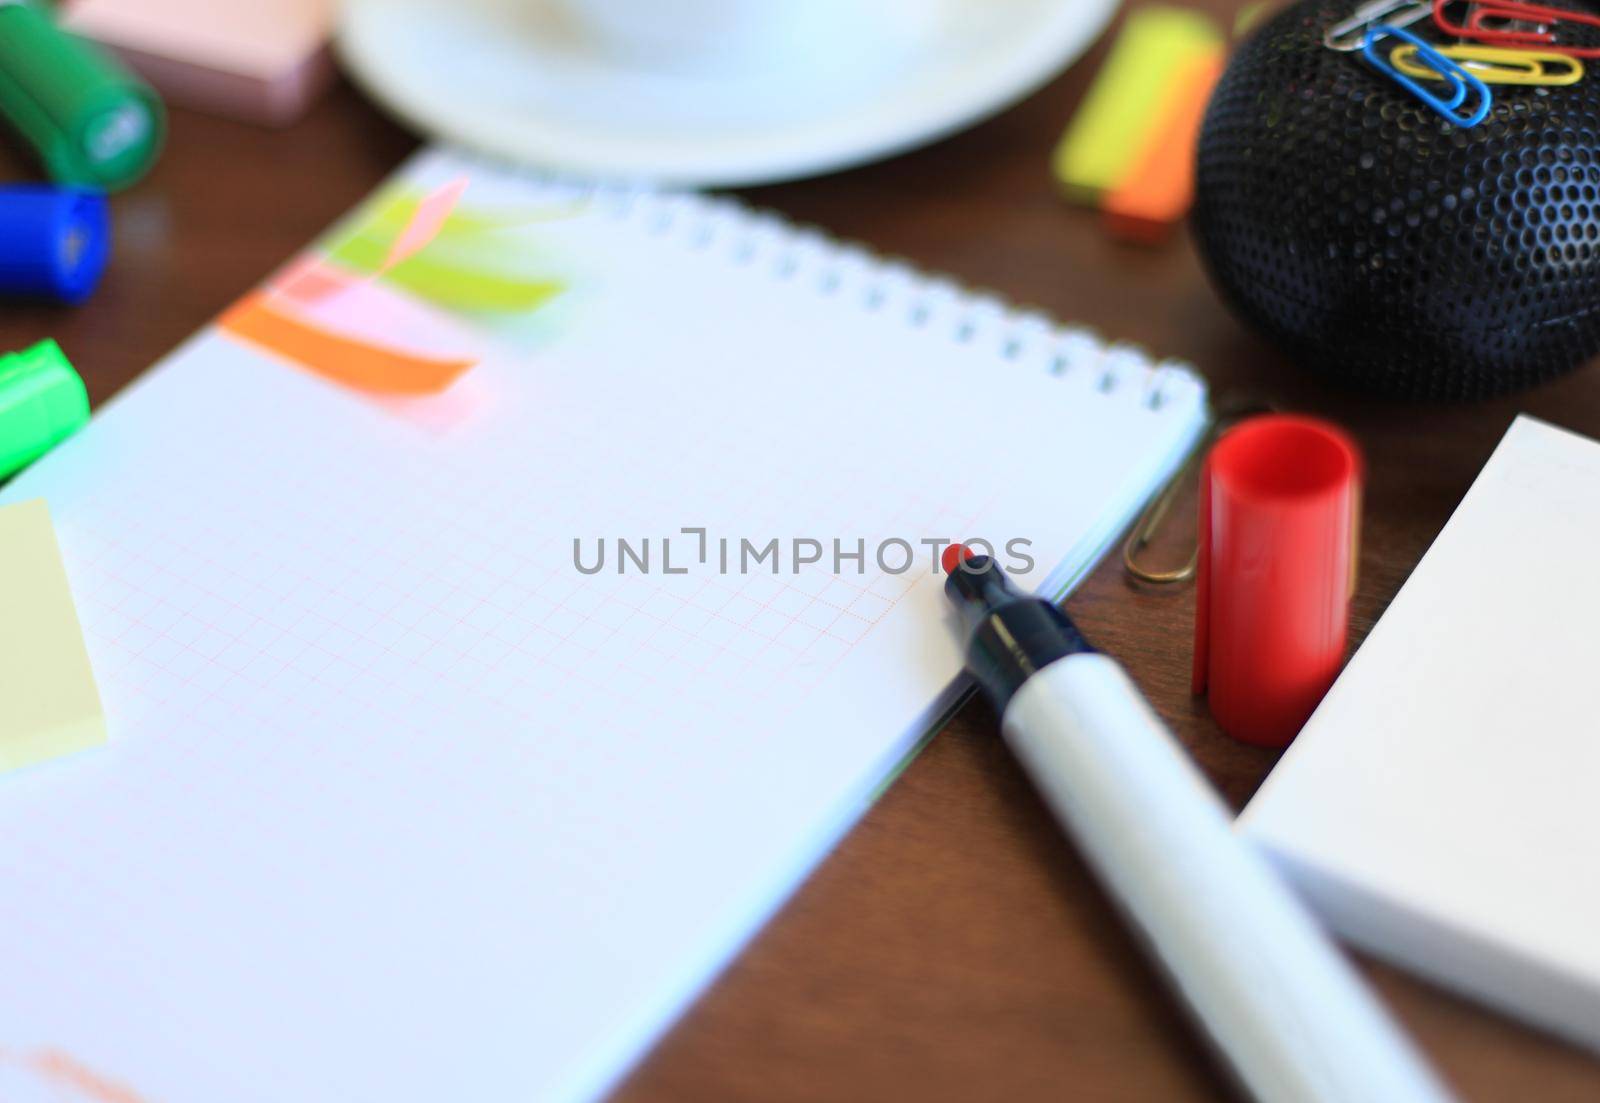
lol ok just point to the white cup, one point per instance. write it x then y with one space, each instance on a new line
741 34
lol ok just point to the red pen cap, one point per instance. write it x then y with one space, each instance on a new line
1280 504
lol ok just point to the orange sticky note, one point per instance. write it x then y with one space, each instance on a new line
1159 188
348 360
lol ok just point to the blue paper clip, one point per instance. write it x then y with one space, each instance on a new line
1458 78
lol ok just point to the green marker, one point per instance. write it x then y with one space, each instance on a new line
91 122
42 403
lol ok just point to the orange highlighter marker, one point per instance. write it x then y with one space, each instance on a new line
1159 189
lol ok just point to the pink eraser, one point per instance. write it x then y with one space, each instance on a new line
263 61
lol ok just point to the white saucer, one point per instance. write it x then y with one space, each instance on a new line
512 78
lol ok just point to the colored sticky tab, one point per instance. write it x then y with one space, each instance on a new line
352 361
425 223
421 226
1119 111
454 285
465 266
1159 190
49 705
378 306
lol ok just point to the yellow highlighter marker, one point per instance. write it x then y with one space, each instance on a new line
1113 123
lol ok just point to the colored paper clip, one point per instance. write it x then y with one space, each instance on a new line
1351 35
1228 413
1463 83
1530 25
1496 65
1526 33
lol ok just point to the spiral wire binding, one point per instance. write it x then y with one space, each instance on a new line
806 256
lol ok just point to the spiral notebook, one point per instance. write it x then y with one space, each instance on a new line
456 740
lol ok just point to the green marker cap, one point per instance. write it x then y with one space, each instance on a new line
42 403
92 122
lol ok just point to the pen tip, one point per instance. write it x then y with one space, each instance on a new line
954 556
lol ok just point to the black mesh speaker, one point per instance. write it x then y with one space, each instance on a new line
1379 244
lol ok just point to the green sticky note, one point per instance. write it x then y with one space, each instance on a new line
49 705
465 267
1109 131
439 279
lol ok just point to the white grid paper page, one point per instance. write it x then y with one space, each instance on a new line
398 804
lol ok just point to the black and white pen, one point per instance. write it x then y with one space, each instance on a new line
1281 1003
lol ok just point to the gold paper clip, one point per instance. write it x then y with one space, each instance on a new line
1496 65
1228 414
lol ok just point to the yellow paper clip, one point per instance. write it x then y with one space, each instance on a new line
1496 65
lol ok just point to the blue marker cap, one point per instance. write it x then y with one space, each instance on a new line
54 242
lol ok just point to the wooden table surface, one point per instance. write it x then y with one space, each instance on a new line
953 947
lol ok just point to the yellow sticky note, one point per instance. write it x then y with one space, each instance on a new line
1112 125
49 705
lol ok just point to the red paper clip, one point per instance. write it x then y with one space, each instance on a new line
1473 27
1517 11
